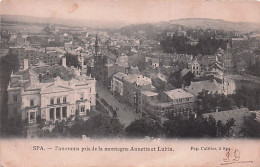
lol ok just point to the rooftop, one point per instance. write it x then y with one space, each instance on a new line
149 93
178 94
37 77
211 86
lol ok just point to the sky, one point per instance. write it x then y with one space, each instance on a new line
134 11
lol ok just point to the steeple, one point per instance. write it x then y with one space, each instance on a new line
97 45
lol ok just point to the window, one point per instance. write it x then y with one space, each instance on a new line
82 109
188 99
52 101
58 100
64 99
31 102
15 98
90 90
81 96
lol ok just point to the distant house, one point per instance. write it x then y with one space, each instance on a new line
239 43
195 68
215 70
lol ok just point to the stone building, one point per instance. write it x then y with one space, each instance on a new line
50 93
34 55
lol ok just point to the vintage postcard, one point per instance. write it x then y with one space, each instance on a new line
129 83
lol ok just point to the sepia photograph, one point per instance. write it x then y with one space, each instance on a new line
157 82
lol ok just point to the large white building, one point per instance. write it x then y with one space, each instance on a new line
51 93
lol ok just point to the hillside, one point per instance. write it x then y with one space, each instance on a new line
59 21
202 23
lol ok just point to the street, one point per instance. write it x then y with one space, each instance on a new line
124 114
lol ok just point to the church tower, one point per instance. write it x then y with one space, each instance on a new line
97 46
98 61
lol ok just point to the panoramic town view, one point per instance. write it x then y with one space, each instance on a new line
181 78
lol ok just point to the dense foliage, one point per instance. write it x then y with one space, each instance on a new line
71 60
251 127
208 102
176 80
144 127
8 64
198 127
98 126
181 45
254 69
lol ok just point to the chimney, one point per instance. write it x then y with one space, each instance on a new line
25 64
64 61
182 86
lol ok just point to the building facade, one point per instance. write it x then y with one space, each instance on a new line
34 56
35 93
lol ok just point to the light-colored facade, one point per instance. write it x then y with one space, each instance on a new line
117 83
195 68
177 101
33 94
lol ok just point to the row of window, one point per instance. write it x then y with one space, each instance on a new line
58 100
182 100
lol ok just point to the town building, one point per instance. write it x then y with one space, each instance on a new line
177 101
129 87
50 93
34 56
195 68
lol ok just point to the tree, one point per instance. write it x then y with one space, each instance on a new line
176 80
251 127
144 127
98 126
179 127
8 64
15 126
71 60
247 97
209 102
